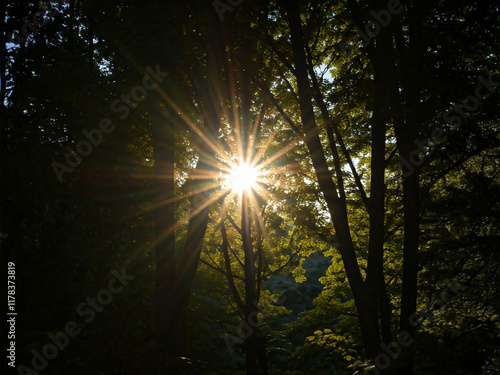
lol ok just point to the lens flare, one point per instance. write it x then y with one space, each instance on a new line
242 178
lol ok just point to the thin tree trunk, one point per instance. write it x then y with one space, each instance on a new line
375 270
250 288
365 303
197 226
412 80
383 73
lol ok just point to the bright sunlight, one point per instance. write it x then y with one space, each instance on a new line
242 178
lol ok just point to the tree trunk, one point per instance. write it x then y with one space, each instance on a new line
412 81
197 226
202 187
384 78
250 285
375 271
364 300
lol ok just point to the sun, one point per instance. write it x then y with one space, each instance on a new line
243 178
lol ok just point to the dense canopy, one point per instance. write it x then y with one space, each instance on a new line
250 187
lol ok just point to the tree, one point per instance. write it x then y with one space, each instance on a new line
374 126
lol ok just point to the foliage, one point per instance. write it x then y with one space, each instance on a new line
67 236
